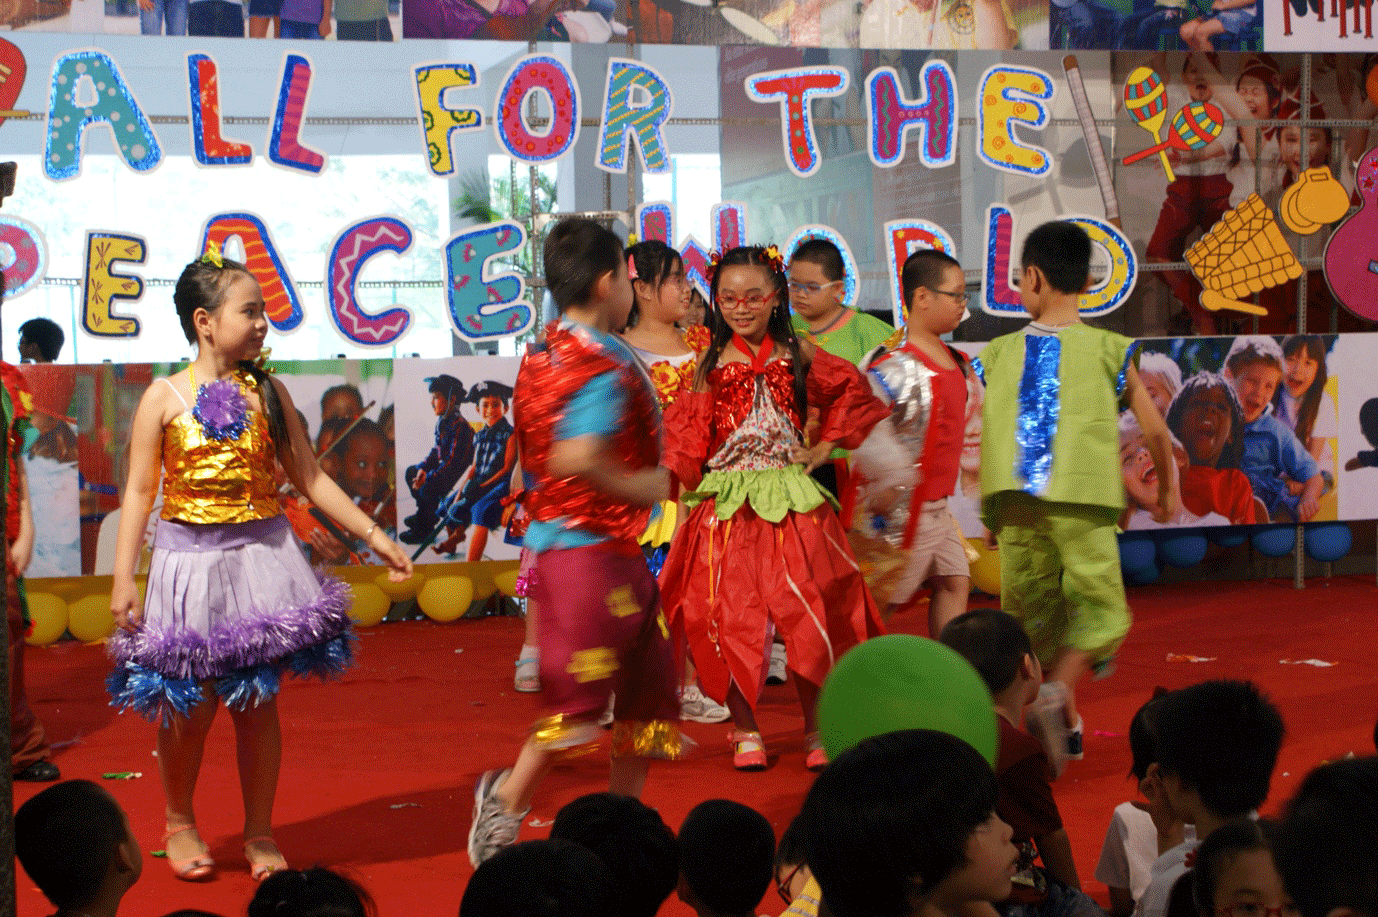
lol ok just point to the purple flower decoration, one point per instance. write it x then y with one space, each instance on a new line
221 409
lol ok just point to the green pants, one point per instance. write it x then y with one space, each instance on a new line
1060 574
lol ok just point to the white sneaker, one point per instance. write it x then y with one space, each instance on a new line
778 662
696 706
605 718
492 827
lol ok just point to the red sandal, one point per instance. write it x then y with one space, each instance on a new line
261 871
198 868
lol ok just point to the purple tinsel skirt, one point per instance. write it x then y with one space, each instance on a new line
237 605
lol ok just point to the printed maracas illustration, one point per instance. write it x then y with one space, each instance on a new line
1145 97
13 69
1193 128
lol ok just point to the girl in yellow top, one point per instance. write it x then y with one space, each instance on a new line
232 604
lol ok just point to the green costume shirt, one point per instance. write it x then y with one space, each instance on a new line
852 341
1051 415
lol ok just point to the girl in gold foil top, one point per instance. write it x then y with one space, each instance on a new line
231 604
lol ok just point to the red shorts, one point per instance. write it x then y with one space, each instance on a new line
600 630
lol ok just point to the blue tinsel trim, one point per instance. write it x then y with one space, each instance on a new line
151 694
326 660
246 688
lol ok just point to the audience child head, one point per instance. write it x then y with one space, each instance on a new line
726 858
315 892
1326 846
999 650
1217 743
74 842
905 824
549 878
791 872
636 846
1234 874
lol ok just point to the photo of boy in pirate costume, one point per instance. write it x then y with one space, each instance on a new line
436 475
489 479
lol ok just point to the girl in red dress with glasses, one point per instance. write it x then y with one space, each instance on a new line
762 550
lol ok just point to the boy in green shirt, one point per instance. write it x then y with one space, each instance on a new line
1051 489
817 284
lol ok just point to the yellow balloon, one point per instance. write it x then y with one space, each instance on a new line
370 605
49 616
89 618
446 598
985 570
400 592
506 582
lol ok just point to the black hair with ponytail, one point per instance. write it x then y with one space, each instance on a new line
778 326
202 286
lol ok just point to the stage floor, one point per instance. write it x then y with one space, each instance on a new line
378 769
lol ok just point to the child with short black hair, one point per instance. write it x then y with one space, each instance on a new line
1325 850
726 857
998 648
589 435
637 848
904 824
1139 831
911 460
73 840
316 892
817 287
1235 875
792 877
549 878
1217 745
1051 490
1272 456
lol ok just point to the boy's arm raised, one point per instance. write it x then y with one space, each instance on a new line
1157 439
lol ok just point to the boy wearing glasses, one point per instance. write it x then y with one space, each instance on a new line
912 458
817 282
1051 489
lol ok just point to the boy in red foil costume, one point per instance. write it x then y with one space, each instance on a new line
589 433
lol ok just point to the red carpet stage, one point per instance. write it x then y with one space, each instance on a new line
379 769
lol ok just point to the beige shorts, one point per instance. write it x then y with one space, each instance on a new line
938 550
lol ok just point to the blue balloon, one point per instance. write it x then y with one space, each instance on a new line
1137 551
1328 541
1144 575
1228 536
1274 540
1182 548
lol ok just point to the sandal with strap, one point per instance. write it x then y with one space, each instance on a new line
261 871
528 677
817 758
748 751
197 868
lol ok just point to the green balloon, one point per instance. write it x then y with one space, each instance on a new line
901 681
